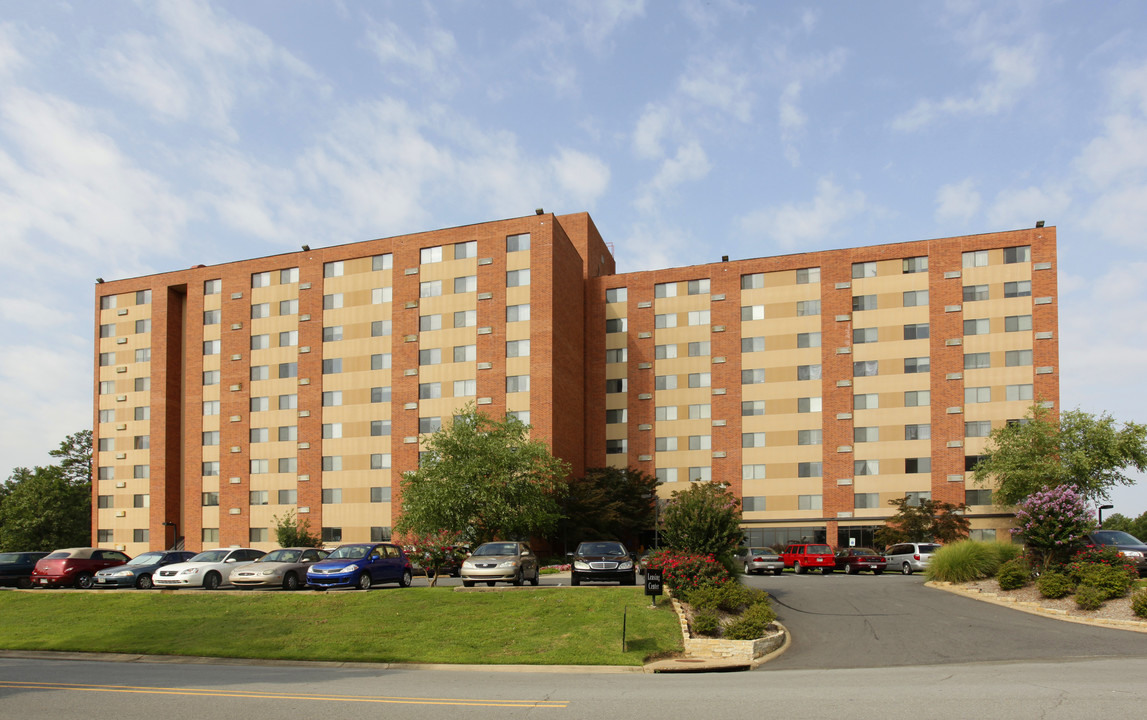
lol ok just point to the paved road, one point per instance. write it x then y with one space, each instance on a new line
855 621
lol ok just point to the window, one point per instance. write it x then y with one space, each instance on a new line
381 295
978 326
616 295
807 276
210 287
514 348
257 435
700 474
382 361
749 440
332 431
809 502
107 302
917 465
808 307
430 288
333 269
212 347
465 388
613 325
289 402
211 437
975 258
915 298
699 380
466 284
665 412
469 353
810 437
289 338
464 250
430 356
615 447
700 412
865 434
105 472
288 497
141 442
107 415
107 331
288 307
288 276
915 264
210 377
808 340
517 383
143 326
334 333
210 535
430 255
429 391
332 398
211 317
752 407
380 534
974 293
381 328
616 355
522 416
977 361
864 501
291 369
259 280
665 382
333 301
379 428
379 494
665 290
1012 323
1021 288
288 465
971 461
210 499
332 496
917 331
1019 392
260 310
753 376
868 401
465 318
752 312
864 335
917 365
518 313
809 469
865 467
614 417
517 243
753 472
107 359
977 497
865 368
665 320
1018 254
141 500
382 262
617 385
977 428
977 395
915 498
105 501
698 287
918 432
752 344
259 466
426 323
864 270
698 317
210 407
332 463
756 281
808 372
517 278
665 444
1018 358
380 394
429 424
863 302
808 404
753 503
257 404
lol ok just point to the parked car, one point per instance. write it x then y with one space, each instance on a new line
762 560
74 566
285 568
209 569
1127 544
361 565
602 561
140 570
502 561
804 556
910 557
16 568
854 560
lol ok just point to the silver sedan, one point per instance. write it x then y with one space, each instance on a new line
493 562
285 568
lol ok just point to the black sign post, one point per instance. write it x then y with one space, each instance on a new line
653 584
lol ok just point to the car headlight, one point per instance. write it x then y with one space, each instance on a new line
349 568
468 564
189 571
508 564
627 565
267 572
121 573
1131 553
580 565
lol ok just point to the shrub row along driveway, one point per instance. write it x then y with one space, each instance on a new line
840 621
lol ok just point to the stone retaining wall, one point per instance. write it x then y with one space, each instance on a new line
733 650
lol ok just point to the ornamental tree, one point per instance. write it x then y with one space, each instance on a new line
704 519
1053 523
434 551
927 520
291 532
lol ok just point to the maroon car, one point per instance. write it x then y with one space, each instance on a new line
854 560
74 566
809 556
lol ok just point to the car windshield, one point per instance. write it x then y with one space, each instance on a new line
761 551
862 551
210 556
601 548
349 552
491 549
818 550
1115 537
283 556
929 548
9 557
146 559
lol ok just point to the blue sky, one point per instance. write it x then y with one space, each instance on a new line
145 137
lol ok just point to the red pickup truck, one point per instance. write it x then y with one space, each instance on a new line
802 556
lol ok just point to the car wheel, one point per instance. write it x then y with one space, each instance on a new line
575 580
24 583
849 569
536 579
631 580
406 579
363 582
906 569
467 583
456 572
797 568
84 581
212 581
290 581
778 571
877 572
143 582
517 581
747 571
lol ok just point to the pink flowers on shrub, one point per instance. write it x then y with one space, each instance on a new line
687 571
1054 521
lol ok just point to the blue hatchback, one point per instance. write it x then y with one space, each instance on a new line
361 565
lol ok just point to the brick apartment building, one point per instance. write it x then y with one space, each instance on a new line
818 385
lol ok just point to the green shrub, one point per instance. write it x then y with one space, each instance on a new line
1084 559
731 597
1110 580
1139 603
705 622
963 561
752 624
1088 597
1013 575
1054 585
683 572
1005 551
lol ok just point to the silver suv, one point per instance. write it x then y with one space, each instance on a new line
910 557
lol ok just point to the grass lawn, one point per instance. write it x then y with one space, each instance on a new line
559 626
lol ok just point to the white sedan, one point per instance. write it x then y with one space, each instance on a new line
209 569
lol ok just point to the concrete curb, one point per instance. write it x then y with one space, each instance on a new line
1037 609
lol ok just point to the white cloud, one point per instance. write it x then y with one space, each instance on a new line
652 127
431 58
957 202
34 313
689 164
712 82
598 20
792 122
10 56
1022 207
795 226
583 177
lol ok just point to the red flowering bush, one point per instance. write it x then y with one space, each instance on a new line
685 571
435 551
1082 562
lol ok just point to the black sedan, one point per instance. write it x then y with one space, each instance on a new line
602 561
854 560
16 568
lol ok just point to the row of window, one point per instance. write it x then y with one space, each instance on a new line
864 501
255 535
109 302
108 330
